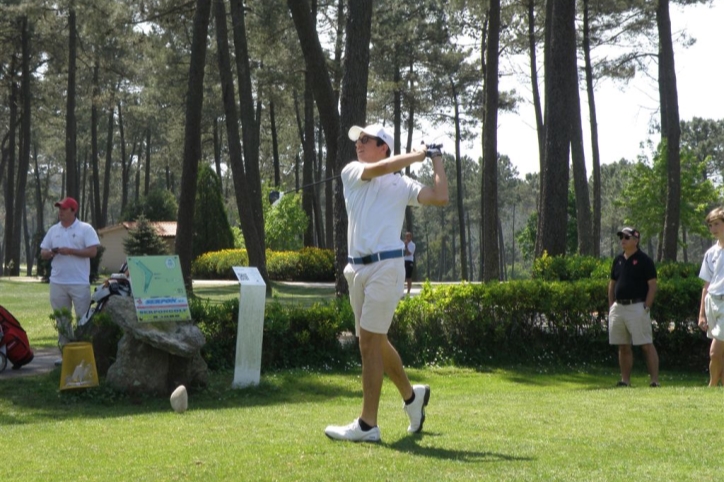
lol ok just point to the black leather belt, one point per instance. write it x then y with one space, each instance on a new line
629 302
379 256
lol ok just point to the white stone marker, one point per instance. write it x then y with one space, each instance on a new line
250 329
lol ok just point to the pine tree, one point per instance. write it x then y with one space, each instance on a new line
212 231
143 240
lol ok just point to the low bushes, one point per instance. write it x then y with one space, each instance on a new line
540 322
307 264
293 336
521 322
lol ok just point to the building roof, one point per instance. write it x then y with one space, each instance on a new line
165 229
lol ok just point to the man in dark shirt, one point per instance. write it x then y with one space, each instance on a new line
631 292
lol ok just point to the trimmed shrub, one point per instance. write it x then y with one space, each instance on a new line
521 322
308 264
294 337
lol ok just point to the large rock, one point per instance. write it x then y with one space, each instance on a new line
154 358
178 338
141 368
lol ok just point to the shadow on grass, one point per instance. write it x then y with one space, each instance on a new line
410 445
37 399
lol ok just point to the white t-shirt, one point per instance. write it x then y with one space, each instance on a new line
376 209
70 270
411 249
712 269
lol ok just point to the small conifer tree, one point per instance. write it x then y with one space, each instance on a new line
143 240
212 231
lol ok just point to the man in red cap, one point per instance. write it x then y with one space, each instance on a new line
69 244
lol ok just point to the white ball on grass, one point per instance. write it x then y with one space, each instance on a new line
180 399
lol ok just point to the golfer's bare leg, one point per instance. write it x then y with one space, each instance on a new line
409 286
395 370
716 362
625 361
652 361
370 346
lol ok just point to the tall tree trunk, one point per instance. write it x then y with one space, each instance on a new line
409 216
137 193
547 34
147 165
249 228
595 152
670 131
326 100
319 218
192 140
490 149
39 217
10 181
71 164
107 172
249 130
125 163
308 166
96 178
580 179
275 145
561 55
460 188
217 149
484 70
24 157
537 105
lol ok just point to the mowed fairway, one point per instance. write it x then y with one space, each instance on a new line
482 425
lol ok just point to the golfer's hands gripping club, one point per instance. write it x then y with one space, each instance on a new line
434 150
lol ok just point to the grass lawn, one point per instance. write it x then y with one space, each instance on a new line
498 424
491 424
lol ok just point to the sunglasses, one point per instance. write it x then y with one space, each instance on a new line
366 139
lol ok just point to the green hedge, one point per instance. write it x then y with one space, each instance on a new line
294 337
521 322
539 321
307 264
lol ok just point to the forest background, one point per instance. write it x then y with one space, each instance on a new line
118 103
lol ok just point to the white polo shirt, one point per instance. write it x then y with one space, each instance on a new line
70 270
712 269
376 209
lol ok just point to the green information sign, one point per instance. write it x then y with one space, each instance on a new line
158 288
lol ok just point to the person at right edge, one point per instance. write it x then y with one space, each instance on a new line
631 292
376 196
711 308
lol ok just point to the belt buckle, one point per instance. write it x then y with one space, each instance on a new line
368 259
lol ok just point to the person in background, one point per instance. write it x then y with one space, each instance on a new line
631 292
711 308
409 260
69 245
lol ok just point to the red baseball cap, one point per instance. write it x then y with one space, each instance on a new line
66 203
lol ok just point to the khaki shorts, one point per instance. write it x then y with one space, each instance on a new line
629 325
714 310
374 291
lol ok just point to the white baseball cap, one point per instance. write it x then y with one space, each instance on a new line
374 130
